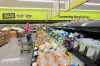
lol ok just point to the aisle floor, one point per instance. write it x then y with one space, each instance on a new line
10 55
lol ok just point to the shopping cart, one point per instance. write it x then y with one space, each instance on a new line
25 46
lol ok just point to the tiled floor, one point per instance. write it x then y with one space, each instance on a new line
10 55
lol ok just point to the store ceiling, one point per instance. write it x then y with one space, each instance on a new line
45 4
28 3
84 23
94 1
90 5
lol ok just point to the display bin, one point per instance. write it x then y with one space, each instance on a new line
4 38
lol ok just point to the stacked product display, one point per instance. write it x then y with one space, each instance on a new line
48 55
4 38
39 43
51 51
58 35
14 31
89 48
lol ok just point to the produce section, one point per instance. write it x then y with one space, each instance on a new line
55 50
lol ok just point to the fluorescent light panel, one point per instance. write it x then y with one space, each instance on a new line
40 1
37 0
84 24
86 10
23 8
16 7
93 4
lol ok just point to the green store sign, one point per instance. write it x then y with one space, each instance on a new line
38 14
45 14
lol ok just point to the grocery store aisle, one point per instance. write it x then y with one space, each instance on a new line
10 55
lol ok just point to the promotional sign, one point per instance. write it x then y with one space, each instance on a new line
77 15
22 14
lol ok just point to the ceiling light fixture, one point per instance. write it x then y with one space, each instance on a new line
93 4
22 8
86 10
16 7
40 1
37 0
84 24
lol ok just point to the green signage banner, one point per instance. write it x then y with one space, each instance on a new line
77 15
23 14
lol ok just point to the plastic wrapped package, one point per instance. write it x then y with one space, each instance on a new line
34 64
93 50
42 49
50 59
35 53
97 54
71 35
78 45
61 40
58 53
85 42
63 49
82 48
97 47
47 45
46 49
54 45
42 61
62 61
75 44
54 64
91 53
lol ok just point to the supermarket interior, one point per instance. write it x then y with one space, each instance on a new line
49 32
50 44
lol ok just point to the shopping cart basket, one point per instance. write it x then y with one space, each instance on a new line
25 46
